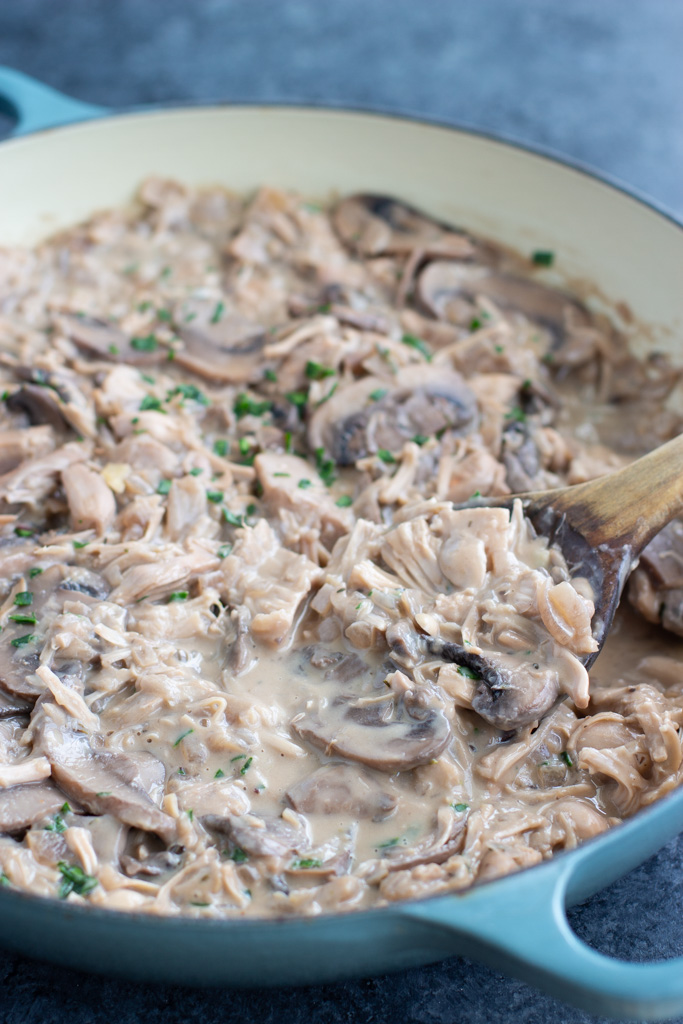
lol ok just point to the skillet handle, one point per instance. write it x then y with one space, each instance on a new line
39 106
525 932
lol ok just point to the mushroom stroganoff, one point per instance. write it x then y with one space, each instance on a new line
253 658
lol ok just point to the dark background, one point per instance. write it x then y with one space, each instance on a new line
598 80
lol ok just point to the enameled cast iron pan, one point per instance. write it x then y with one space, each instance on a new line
632 251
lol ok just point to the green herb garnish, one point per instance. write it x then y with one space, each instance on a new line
460 807
25 620
224 550
390 842
150 404
316 371
326 467
218 312
215 496
21 641
543 257
178 595
237 757
303 484
189 391
378 393
232 519
220 774
74 879
475 324
307 862
344 500
297 398
182 736
23 531
385 456
56 825
36 571
246 406
567 759
468 673
516 415
164 486
220 447
238 855
23 599
147 344
418 344
245 767
270 375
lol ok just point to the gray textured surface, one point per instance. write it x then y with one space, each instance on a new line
599 80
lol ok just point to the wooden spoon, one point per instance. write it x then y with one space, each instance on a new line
602 526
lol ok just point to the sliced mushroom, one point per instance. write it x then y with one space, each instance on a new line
511 691
40 404
656 587
23 806
375 224
17 446
11 706
100 338
429 851
108 782
443 284
341 789
520 456
221 345
19 658
263 837
389 734
51 397
424 400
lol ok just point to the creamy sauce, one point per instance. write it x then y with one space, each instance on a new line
252 661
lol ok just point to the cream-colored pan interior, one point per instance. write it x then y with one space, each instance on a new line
633 254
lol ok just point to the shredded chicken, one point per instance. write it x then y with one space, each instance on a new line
252 659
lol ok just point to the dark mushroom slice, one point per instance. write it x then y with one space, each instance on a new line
108 782
520 456
511 691
12 706
341 789
428 851
25 805
40 405
145 855
19 656
219 344
374 224
656 586
443 284
423 400
100 338
50 397
389 734
261 836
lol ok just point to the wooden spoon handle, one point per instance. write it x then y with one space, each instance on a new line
627 507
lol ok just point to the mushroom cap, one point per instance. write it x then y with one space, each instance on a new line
109 782
390 735
341 789
24 805
511 692
373 224
226 348
419 400
443 282
100 338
